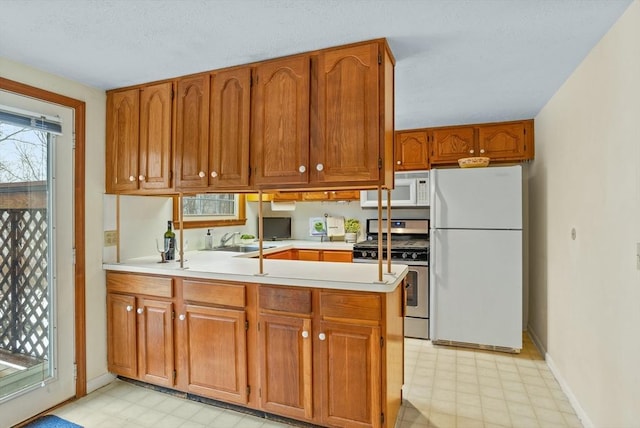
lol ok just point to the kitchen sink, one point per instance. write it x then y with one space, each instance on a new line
242 248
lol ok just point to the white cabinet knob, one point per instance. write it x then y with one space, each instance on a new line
140 310
181 317
214 174
141 177
305 334
319 167
201 174
322 336
471 151
481 150
302 169
132 178
129 308
399 163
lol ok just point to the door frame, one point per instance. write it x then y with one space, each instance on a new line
79 108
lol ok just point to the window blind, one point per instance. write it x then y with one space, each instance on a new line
26 119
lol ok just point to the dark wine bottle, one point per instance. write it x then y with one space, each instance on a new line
169 243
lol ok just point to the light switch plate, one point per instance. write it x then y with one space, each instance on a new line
110 238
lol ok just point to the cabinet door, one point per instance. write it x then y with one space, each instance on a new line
505 141
349 369
315 196
309 255
121 335
229 129
285 365
155 136
345 195
281 255
287 196
346 139
412 151
450 144
280 115
217 353
155 342
123 127
337 256
192 132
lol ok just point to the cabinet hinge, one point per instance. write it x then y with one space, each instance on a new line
259 392
382 342
258 326
174 376
382 418
172 93
525 131
379 59
379 163
246 325
173 315
248 390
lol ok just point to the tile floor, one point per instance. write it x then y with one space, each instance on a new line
445 388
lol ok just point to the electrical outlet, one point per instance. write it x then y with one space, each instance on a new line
110 238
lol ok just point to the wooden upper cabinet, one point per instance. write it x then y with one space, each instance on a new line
332 195
411 151
506 141
123 132
346 142
280 118
229 129
156 106
450 144
192 132
139 139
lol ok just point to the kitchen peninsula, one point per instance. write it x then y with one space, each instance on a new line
320 342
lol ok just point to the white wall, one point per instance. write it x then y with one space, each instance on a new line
585 293
95 100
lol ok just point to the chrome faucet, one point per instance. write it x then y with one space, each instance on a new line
227 237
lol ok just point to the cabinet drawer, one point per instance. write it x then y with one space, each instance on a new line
214 293
285 299
366 307
157 286
337 256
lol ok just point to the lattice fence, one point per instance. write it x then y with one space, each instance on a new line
24 294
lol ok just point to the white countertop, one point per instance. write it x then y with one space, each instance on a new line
243 267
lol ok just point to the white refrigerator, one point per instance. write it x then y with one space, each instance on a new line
476 263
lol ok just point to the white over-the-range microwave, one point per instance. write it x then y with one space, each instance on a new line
411 190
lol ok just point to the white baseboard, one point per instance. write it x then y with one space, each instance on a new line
536 341
584 418
99 382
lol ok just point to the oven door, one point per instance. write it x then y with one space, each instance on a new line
417 302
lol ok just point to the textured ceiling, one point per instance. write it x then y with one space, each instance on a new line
457 61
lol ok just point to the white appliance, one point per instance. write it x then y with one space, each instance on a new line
411 189
476 257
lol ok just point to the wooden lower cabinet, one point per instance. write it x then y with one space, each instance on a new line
313 255
216 348
140 338
286 366
326 357
349 369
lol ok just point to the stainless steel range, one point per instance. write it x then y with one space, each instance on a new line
410 246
